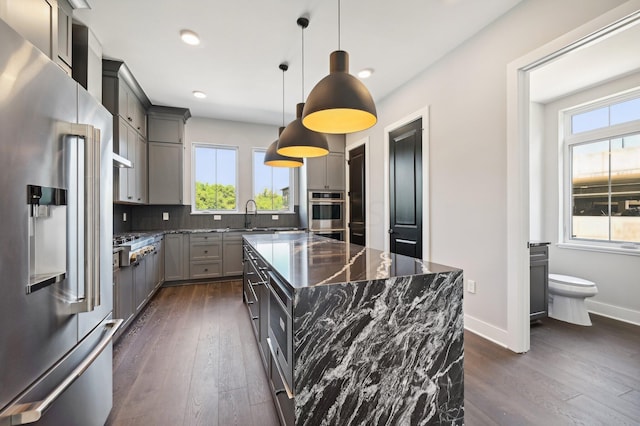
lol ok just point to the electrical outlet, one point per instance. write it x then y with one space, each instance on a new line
124 216
217 217
274 217
471 286
165 216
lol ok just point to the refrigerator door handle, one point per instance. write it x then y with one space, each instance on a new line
91 137
32 412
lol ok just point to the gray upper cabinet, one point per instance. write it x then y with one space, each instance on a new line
131 109
166 154
45 23
166 124
165 173
326 172
87 60
124 98
65 24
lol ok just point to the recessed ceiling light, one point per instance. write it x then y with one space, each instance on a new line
198 94
365 73
190 37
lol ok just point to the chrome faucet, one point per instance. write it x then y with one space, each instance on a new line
247 222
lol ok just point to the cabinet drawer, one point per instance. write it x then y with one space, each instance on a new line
206 237
201 251
205 269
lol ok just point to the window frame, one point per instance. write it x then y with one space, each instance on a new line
569 140
291 208
196 145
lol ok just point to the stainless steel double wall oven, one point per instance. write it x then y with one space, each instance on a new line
327 213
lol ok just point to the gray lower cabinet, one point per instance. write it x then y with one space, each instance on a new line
159 272
140 288
205 255
176 257
284 405
538 282
232 254
123 306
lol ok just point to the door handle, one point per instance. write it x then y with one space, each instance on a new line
91 197
391 231
32 412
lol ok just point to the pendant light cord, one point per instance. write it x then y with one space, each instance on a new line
302 62
338 24
283 70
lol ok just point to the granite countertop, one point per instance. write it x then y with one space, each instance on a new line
219 230
307 260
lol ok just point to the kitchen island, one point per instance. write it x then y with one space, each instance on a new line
352 335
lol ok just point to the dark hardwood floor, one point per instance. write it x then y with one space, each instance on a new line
191 358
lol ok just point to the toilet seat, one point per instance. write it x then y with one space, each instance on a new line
569 280
565 285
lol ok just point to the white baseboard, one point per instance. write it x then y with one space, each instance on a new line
486 330
614 312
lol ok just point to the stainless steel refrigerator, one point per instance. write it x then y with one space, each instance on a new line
56 301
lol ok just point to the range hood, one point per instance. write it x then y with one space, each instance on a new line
120 161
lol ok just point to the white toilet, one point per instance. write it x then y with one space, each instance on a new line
566 298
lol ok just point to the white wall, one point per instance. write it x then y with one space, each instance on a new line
616 275
466 93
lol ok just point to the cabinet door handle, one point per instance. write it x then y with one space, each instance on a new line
206 269
206 251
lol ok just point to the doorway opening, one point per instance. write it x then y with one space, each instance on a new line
521 137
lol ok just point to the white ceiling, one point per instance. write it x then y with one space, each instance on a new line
604 59
244 41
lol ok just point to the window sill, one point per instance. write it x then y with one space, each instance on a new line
601 249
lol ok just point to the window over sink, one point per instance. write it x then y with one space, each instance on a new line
272 186
215 178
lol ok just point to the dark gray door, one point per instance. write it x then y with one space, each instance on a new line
405 189
357 201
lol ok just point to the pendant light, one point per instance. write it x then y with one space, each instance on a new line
271 157
296 139
339 103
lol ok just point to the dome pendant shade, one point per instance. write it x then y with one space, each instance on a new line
339 103
296 140
273 159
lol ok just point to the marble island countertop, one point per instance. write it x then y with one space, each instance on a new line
372 335
306 260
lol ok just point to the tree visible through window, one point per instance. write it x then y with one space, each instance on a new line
271 185
215 186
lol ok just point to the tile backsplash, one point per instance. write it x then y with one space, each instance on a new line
150 218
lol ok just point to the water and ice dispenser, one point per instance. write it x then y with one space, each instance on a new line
47 236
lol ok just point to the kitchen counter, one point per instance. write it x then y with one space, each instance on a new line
307 260
376 338
193 231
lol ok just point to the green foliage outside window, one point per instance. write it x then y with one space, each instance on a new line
214 196
270 201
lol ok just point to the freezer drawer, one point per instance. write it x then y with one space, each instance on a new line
86 401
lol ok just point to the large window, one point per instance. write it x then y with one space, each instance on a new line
272 189
603 172
215 183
